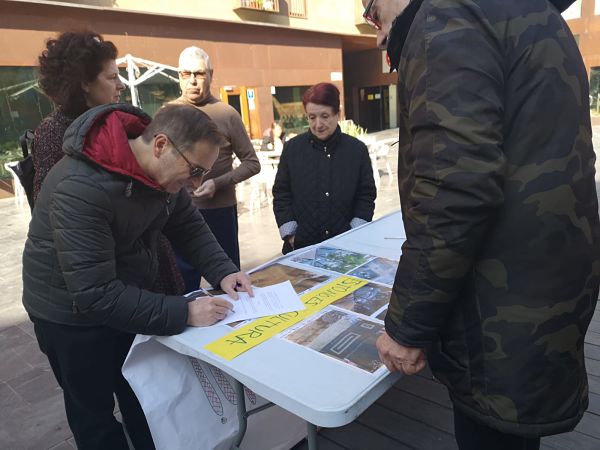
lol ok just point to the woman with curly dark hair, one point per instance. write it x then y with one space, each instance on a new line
77 71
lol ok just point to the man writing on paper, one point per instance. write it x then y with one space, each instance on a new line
498 277
91 256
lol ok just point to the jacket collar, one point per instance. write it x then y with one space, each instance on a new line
329 143
399 32
102 135
561 5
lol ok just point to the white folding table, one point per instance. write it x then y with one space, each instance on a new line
319 389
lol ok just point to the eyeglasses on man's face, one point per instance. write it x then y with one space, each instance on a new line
370 17
186 74
195 171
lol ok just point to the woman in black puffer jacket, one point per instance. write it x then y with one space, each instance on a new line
324 184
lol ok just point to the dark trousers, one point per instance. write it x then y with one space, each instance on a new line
223 222
471 435
86 362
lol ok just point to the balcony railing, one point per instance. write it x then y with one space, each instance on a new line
297 8
260 5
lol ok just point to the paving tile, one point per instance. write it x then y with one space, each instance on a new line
12 314
64 445
27 327
9 398
12 337
35 427
36 386
31 353
12 365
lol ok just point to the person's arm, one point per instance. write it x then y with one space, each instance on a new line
283 197
456 121
244 150
81 216
366 192
47 151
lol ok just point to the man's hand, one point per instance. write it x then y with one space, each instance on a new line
238 281
206 190
291 239
396 357
206 311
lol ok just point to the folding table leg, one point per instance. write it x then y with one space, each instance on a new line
312 436
241 412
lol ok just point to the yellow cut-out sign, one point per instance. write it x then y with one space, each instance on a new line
258 331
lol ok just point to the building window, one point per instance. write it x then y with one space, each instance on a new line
595 90
597 8
261 5
297 8
288 109
573 11
22 107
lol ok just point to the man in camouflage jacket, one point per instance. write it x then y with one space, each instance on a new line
498 278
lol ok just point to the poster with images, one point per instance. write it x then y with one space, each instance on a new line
301 280
380 270
366 300
341 335
334 259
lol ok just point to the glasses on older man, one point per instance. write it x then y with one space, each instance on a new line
195 171
186 74
370 18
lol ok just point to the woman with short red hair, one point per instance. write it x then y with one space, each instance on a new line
324 184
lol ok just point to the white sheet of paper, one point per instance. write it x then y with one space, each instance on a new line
267 301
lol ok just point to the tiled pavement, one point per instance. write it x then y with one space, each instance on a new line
414 414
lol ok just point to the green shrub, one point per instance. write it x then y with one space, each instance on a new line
354 130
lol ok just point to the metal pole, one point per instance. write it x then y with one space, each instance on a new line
311 436
241 412
131 80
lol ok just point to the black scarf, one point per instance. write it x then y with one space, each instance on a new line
399 32
402 23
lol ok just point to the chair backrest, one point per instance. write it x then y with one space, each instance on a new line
382 150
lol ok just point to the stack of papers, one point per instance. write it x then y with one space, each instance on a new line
267 301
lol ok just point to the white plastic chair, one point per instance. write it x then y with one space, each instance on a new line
20 196
383 150
373 156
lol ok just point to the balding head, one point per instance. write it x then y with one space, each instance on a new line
190 56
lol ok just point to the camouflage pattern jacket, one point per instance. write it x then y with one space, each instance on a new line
498 278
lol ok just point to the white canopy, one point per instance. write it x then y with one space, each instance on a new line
134 76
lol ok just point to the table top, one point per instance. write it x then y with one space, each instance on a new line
318 388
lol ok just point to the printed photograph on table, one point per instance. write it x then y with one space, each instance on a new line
301 280
343 336
334 259
381 270
366 300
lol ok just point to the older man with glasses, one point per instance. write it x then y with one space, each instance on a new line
216 197
498 278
